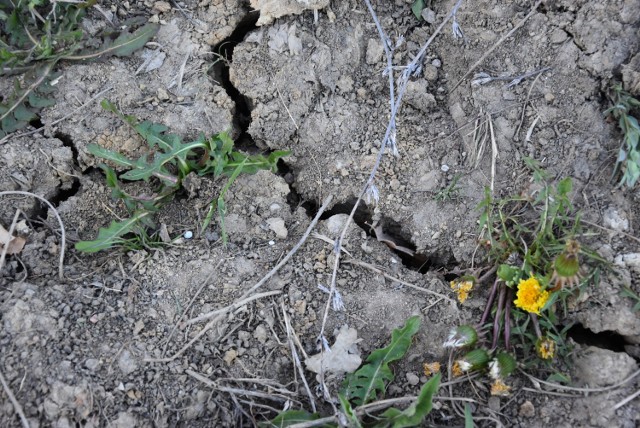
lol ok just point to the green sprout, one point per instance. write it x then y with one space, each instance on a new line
628 159
450 192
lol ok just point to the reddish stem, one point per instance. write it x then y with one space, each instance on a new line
487 308
496 321
536 325
507 319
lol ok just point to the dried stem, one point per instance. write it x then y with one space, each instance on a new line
498 43
55 212
16 406
247 296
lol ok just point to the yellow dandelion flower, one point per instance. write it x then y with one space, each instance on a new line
462 288
456 369
546 348
500 388
531 297
431 368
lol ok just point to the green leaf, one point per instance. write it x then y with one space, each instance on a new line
368 381
564 186
40 102
288 418
124 45
112 235
509 274
110 155
352 417
414 415
417 7
468 417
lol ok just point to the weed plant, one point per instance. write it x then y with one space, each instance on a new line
369 383
531 242
35 35
171 162
628 160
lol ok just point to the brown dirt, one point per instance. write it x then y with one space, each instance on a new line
74 352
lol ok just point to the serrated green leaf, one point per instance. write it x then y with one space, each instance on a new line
352 417
110 155
564 186
110 236
414 415
290 417
124 45
368 381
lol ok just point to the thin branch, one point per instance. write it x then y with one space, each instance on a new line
377 405
219 314
16 406
537 382
186 309
626 400
498 43
55 212
296 358
10 234
392 278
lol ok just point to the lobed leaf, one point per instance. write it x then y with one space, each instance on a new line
124 45
290 417
367 382
415 414
112 235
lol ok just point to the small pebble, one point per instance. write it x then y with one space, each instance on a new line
444 168
413 379
91 364
188 234
272 242
527 409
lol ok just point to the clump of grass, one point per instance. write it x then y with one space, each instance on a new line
450 192
35 35
628 160
171 162
628 292
369 383
532 244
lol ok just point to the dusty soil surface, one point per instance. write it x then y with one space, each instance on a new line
110 345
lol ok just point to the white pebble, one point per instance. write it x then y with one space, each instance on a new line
444 168
188 234
272 242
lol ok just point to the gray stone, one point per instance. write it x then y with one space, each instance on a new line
598 367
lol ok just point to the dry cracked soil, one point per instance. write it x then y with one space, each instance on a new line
112 343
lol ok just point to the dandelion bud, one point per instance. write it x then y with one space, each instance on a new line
566 266
501 366
474 360
461 336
